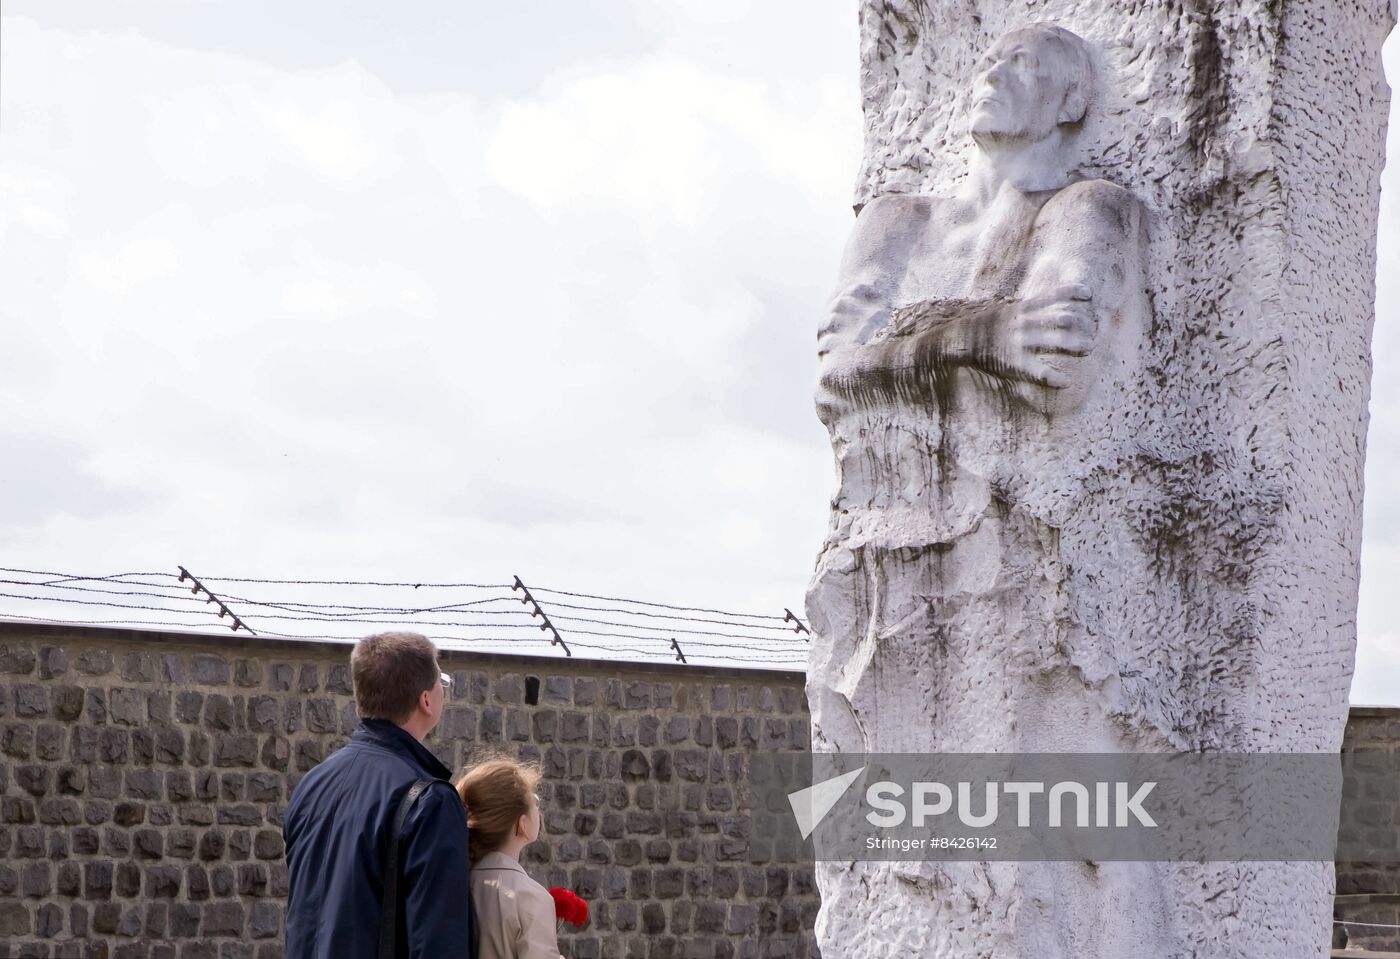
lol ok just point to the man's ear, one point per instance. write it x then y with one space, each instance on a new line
1074 107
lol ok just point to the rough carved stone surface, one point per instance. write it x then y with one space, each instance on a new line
1096 380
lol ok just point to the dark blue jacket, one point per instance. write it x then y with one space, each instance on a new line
336 829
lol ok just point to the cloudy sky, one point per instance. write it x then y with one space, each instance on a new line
349 290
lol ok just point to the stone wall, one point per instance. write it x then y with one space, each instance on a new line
144 775
1368 893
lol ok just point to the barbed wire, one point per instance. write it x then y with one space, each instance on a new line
636 629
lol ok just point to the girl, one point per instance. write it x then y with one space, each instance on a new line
514 915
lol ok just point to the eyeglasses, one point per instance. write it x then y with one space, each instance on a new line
446 681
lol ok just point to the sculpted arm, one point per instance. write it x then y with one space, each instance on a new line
865 342
875 258
1081 302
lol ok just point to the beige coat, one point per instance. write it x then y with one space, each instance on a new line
514 915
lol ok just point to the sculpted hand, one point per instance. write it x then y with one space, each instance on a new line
1059 322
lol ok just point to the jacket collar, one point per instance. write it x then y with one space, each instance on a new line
499 860
391 736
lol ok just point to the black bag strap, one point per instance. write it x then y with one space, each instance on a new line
389 909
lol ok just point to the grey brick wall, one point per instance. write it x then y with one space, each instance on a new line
144 776
1368 893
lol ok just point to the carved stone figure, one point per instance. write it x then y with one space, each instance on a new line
964 330
1016 280
1097 493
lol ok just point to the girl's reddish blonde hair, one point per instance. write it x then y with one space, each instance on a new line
496 793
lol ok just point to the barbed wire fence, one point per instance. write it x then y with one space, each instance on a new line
507 617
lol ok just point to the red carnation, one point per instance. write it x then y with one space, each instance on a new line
569 907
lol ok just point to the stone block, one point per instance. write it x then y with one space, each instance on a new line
128 880
35 880
163 882
252 880
546 725
247 672
637 695
181 842
104 781
156 915
17 741
280 677
143 747
138 667
218 713
188 706
239 814
29 701
321 716
265 920
264 787
574 727
17 659
16 810
222 881
223 919
196 883
95 705
15 919
276 752
66 702
86 840
267 844
235 749
197 748
106 916
309 678
93 662
114 745
184 920
209 670
144 783
509 689
60 811
33 779
48 921
339 680
116 842
148 843
53 661
231 786
172 669
557 691
262 714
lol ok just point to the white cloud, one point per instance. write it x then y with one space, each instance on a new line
324 328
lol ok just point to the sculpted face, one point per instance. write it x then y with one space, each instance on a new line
1025 87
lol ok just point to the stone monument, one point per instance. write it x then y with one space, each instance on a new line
1096 374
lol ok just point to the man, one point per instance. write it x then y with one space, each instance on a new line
338 823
